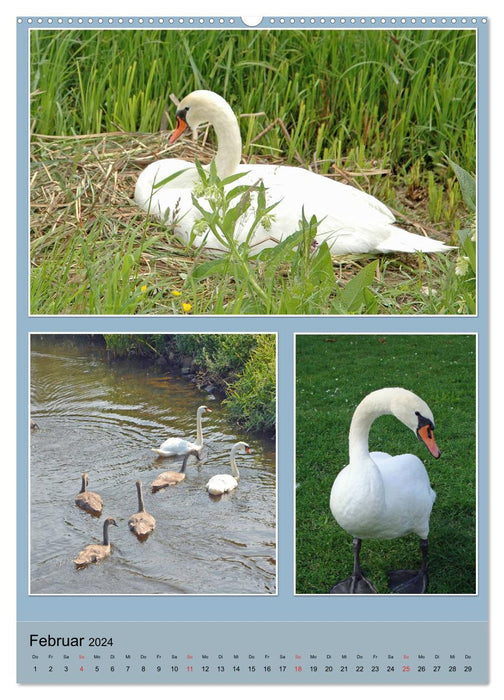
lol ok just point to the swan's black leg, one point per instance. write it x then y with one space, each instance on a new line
357 582
356 544
424 547
408 581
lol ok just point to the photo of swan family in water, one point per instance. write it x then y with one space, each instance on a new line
148 467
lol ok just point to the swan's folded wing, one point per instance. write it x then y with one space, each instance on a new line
398 240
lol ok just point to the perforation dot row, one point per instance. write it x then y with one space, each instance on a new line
272 21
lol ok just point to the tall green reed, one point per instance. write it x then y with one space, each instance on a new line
408 93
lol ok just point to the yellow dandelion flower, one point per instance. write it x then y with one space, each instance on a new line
143 288
186 307
176 293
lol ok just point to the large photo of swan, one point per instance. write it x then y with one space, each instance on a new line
253 172
386 464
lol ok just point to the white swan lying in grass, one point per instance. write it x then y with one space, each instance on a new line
349 220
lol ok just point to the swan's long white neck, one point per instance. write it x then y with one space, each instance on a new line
206 106
229 143
377 403
199 430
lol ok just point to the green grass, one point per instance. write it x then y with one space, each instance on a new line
333 374
387 111
408 95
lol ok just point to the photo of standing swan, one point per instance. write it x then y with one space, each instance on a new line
350 221
223 483
89 500
141 523
96 552
179 446
378 496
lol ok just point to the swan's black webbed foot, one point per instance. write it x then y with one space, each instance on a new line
354 584
357 582
411 581
408 581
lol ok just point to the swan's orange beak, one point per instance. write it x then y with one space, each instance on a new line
179 129
426 435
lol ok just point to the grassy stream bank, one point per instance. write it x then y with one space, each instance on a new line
242 367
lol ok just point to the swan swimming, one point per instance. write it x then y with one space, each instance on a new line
349 220
95 552
384 497
141 523
223 483
172 478
89 500
179 446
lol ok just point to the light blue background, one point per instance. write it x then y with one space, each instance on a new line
285 606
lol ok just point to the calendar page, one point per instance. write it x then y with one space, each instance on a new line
252 332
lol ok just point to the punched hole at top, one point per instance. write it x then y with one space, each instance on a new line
251 21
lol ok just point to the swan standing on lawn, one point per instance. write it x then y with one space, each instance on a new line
382 497
350 221
179 446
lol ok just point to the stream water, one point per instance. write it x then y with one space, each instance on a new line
103 417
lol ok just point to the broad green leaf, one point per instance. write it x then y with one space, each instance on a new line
208 268
467 184
352 294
